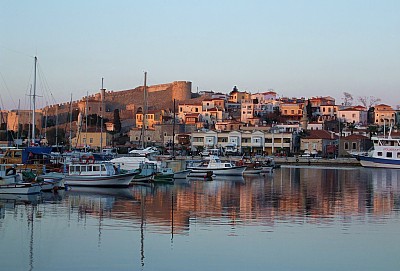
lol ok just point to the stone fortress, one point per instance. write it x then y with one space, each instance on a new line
127 101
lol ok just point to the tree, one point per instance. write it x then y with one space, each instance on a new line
117 121
347 99
368 102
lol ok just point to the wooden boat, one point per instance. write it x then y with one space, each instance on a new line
101 175
146 173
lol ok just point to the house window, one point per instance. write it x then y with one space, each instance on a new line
137 138
148 138
91 140
354 145
346 145
196 110
389 154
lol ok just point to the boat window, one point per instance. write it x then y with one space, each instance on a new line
83 168
103 168
398 155
379 153
90 168
75 168
389 154
96 168
17 154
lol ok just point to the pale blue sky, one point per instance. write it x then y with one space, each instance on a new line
298 48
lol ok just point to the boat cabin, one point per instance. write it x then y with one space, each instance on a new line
103 169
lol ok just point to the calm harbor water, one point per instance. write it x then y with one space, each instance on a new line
299 218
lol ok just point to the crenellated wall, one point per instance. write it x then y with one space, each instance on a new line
159 97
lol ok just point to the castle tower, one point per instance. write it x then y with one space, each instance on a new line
304 118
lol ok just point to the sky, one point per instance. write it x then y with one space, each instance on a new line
297 48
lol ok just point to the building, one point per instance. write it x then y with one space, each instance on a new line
92 140
357 115
152 118
249 142
318 142
384 115
354 143
20 119
292 111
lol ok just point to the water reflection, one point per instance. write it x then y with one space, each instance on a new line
325 198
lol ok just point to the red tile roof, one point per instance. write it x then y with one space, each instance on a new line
321 134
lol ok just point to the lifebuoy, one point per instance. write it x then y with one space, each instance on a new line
90 160
83 159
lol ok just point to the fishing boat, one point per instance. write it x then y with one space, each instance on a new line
385 153
146 173
101 175
11 182
214 164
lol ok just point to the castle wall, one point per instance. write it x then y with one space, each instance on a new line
159 97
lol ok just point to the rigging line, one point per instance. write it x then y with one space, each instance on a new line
8 90
46 85
15 51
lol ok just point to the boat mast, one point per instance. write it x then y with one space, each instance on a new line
34 103
103 91
70 124
173 133
144 110
86 118
57 127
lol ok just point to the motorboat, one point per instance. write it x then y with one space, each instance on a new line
101 174
385 153
213 163
11 182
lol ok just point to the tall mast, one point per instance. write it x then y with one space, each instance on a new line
34 103
70 124
173 134
103 91
144 110
86 118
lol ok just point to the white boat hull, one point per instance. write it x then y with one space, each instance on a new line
234 171
120 180
183 174
378 164
20 188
